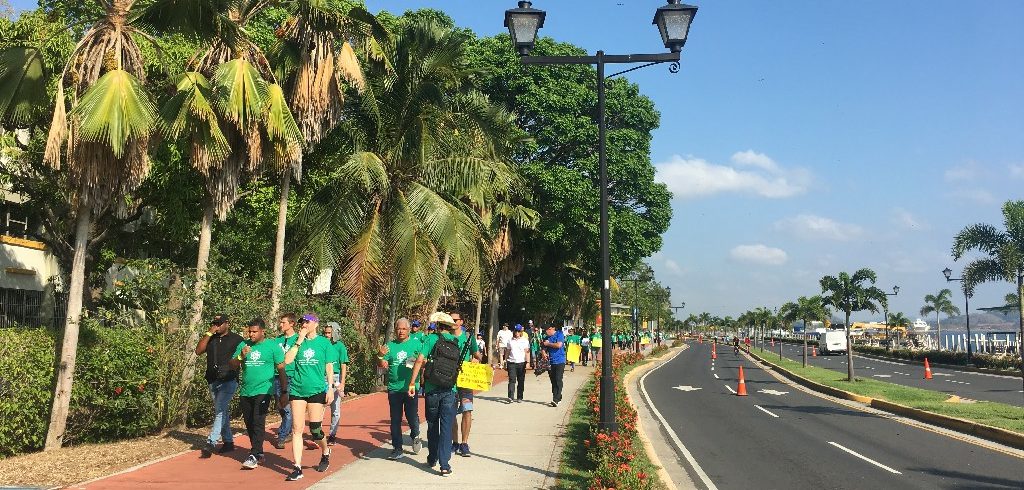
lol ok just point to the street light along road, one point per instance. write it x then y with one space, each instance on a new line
673 21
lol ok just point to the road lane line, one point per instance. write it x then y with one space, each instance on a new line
759 407
671 433
730 389
865 458
716 376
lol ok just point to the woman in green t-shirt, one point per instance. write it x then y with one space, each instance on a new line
312 355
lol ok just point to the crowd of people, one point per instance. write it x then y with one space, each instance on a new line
302 374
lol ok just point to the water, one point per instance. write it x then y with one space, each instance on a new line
995 342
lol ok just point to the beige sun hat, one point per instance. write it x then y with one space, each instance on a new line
442 317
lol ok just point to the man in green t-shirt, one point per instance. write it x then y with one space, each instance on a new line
309 390
464 397
340 365
439 402
286 340
258 360
397 358
416 331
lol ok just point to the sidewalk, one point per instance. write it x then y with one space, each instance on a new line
513 446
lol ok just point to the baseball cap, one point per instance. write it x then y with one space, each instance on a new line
432 326
310 317
415 323
218 319
518 328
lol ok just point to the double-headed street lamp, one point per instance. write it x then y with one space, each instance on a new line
673 21
885 314
967 308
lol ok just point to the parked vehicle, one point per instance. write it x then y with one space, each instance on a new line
832 342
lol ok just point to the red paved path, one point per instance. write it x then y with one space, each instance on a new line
363 428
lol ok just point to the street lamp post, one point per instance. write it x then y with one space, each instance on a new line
885 315
635 312
673 21
967 308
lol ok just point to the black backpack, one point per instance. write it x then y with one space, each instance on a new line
444 363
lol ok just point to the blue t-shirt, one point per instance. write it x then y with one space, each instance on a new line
556 355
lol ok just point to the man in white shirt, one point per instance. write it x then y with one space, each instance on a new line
518 349
504 335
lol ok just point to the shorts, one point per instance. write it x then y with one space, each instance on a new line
464 406
320 398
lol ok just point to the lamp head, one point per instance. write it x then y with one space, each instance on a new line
673 21
523 23
947 272
895 290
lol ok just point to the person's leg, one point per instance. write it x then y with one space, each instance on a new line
433 408
557 371
335 409
259 427
316 423
395 405
511 380
446 420
520 380
412 415
298 427
466 402
226 393
284 431
214 437
247 404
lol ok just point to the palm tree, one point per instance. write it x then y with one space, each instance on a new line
849 294
103 119
898 320
392 217
1005 255
805 309
939 303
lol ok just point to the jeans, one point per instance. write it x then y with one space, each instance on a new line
399 402
516 379
585 355
335 407
285 430
254 411
440 417
222 392
555 374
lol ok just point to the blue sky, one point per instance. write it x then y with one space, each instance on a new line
804 138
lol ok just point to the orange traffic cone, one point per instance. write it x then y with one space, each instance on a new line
927 369
814 353
773 341
700 338
713 354
741 390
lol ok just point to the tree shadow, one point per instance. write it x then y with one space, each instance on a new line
971 480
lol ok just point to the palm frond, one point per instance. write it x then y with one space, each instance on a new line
241 93
22 86
114 111
190 114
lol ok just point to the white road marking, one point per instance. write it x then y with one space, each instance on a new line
865 458
904 374
940 374
881 375
685 388
959 382
716 376
773 392
759 407
672 434
730 389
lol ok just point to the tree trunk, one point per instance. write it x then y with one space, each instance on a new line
202 263
849 350
476 324
805 343
938 331
389 332
444 267
282 220
69 345
493 321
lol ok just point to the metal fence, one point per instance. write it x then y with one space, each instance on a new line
27 307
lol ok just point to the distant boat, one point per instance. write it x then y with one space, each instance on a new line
920 326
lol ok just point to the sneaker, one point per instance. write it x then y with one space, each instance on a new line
296 474
279 443
552 404
519 400
331 440
446 472
226 448
455 447
325 462
509 401
207 450
464 450
250 463
396 454
431 462
417 444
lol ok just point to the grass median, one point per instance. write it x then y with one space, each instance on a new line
984 412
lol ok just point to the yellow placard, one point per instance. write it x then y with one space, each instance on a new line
596 343
645 341
572 354
474 376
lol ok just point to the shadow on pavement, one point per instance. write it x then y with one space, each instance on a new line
973 480
818 410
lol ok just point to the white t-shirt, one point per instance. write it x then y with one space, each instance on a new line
517 349
503 337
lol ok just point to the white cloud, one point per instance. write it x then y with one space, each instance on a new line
754 159
759 254
1017 170
903 218
980 196
811 226
689 178
961 173
673 266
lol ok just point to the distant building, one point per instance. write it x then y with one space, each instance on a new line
28 272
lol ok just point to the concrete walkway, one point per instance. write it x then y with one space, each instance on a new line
513 445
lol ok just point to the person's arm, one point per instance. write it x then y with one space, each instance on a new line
341 379
283 382
553 345
205 340
415 373
329 372
382 361
236 361
289 357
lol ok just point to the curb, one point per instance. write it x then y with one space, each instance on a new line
652 455
1013 373
988 432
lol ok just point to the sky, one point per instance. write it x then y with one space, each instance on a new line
805 138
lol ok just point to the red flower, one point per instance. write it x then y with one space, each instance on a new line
118 390
641 475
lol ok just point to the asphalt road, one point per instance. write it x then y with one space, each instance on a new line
976 386
780 437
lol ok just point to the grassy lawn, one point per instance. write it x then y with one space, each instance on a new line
985 412
574 469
